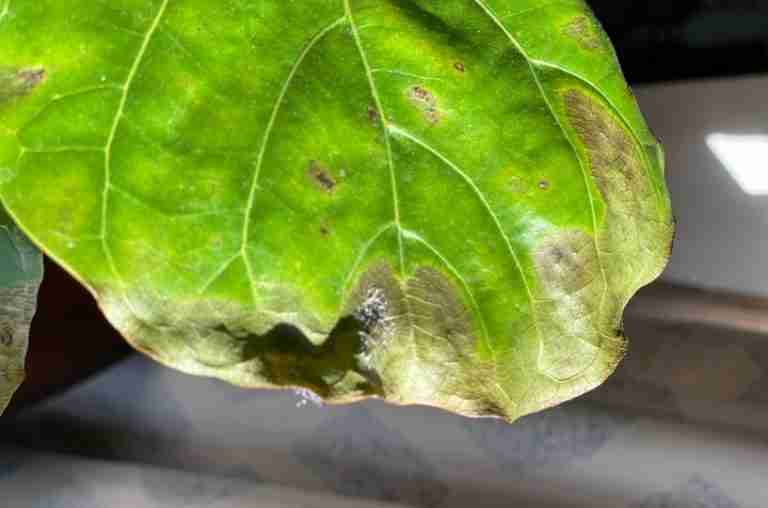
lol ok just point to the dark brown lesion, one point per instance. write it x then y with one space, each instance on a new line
373 115
614 160
19 82
425 101
321 176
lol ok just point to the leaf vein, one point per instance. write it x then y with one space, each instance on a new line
265 141
392 177
113 132
415 236
495 19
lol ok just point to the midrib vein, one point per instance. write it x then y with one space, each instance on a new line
113 131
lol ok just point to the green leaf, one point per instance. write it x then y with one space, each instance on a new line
444 203
21 270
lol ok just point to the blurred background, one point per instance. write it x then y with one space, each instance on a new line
683 423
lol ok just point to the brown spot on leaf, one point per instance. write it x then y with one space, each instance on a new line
422 94
373 115
564 262
585 31
570 287
425 101
672 238
459 66
437 306
321 176
18 82
543 184
615 162
424 322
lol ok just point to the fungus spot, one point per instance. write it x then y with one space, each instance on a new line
425 101
373 309
373 115
321 176
543 184
585 32
18 82
459 66
377 305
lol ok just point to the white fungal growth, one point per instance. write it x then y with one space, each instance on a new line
374 314
373 309
306 396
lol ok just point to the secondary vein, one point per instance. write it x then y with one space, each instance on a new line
113 131
495 19
383 119
266 137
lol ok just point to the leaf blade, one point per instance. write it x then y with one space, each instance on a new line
433 172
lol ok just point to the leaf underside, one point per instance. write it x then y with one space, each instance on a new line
21 269
445 203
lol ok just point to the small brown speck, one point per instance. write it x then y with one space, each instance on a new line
373 115
459 66
543 185
321 176
324 231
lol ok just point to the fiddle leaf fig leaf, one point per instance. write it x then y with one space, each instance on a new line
445 203
21 270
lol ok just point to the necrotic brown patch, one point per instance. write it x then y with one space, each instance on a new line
437 307
614 159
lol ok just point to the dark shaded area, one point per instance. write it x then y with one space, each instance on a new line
290 359
663 40
69 341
